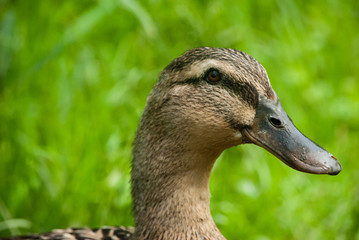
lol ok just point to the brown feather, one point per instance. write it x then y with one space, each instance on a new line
187 123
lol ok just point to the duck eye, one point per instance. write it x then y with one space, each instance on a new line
213 76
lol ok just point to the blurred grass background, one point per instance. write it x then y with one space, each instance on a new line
74 76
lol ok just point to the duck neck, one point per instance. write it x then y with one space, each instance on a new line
170 186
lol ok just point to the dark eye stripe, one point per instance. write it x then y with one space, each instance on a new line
244 90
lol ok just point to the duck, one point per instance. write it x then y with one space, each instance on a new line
205 101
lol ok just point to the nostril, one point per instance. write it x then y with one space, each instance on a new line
275 122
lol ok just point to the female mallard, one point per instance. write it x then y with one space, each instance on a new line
207 100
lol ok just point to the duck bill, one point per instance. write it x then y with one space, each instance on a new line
273 130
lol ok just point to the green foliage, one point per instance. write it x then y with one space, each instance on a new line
74 76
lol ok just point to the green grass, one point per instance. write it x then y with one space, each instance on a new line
74 77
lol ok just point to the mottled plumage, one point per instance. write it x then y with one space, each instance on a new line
105 233
207 100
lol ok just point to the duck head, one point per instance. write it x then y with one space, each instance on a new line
222 98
